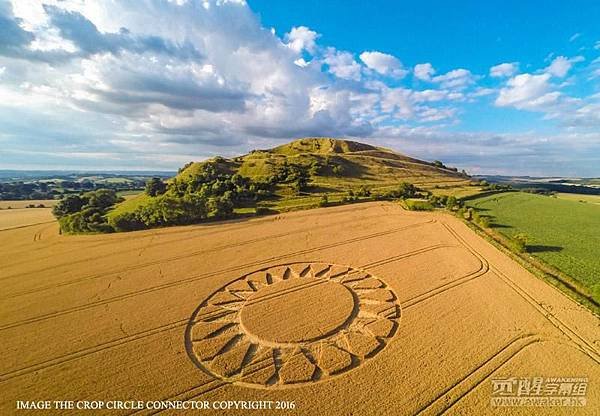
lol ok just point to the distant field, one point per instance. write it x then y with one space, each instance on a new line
129 194
564 233
24 203
14 218
592 199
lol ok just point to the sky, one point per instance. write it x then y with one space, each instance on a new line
498 87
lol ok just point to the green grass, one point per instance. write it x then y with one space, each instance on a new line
129 205
129 193
563 233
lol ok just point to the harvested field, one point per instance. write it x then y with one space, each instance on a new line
15 218
364 309
48 203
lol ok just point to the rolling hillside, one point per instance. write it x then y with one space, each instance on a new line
335 166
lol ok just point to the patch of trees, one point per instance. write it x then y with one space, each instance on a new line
87 212
24 191
327 167
155 187
296 175
208 194
402 191
439 164
538 191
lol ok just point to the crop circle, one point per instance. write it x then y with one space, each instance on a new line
292 324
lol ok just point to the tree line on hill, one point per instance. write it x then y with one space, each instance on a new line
211 193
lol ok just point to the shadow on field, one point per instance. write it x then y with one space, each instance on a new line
495 225
536 248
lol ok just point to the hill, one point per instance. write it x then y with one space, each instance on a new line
338 165
301 174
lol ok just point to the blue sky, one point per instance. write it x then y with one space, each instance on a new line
505 87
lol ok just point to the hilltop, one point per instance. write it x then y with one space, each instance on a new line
338 165
301 174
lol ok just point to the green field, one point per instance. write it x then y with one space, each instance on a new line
562 233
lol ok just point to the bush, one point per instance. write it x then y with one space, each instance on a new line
363 192
338 170
155 187
484 222
170 210
418 205
261 210
451 203
127 221
88 220
519 242
101 199
404 190
324 201
68 205
220 207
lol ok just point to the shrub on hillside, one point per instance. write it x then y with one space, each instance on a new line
155 187
87 212
324 201
519 242
418 205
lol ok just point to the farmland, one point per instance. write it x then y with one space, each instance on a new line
363 309
563 233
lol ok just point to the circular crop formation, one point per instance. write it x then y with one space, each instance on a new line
292 324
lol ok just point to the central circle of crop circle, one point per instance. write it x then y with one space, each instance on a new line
297 310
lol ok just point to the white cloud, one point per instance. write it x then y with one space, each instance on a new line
597 45
429 95
383 64
424 71
561 65
504 70
187 79
574 36
526 91
455 79
482 92
342 64
301 38
301 62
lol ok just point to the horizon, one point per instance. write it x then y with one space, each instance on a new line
103 86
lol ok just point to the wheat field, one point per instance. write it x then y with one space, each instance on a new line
363 309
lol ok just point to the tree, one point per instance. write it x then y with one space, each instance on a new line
220 206
338 170
68 205
127 221
102 198
450 203
520 242
155 187
324 201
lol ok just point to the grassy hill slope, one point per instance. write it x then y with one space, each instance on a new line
335 167
362 164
